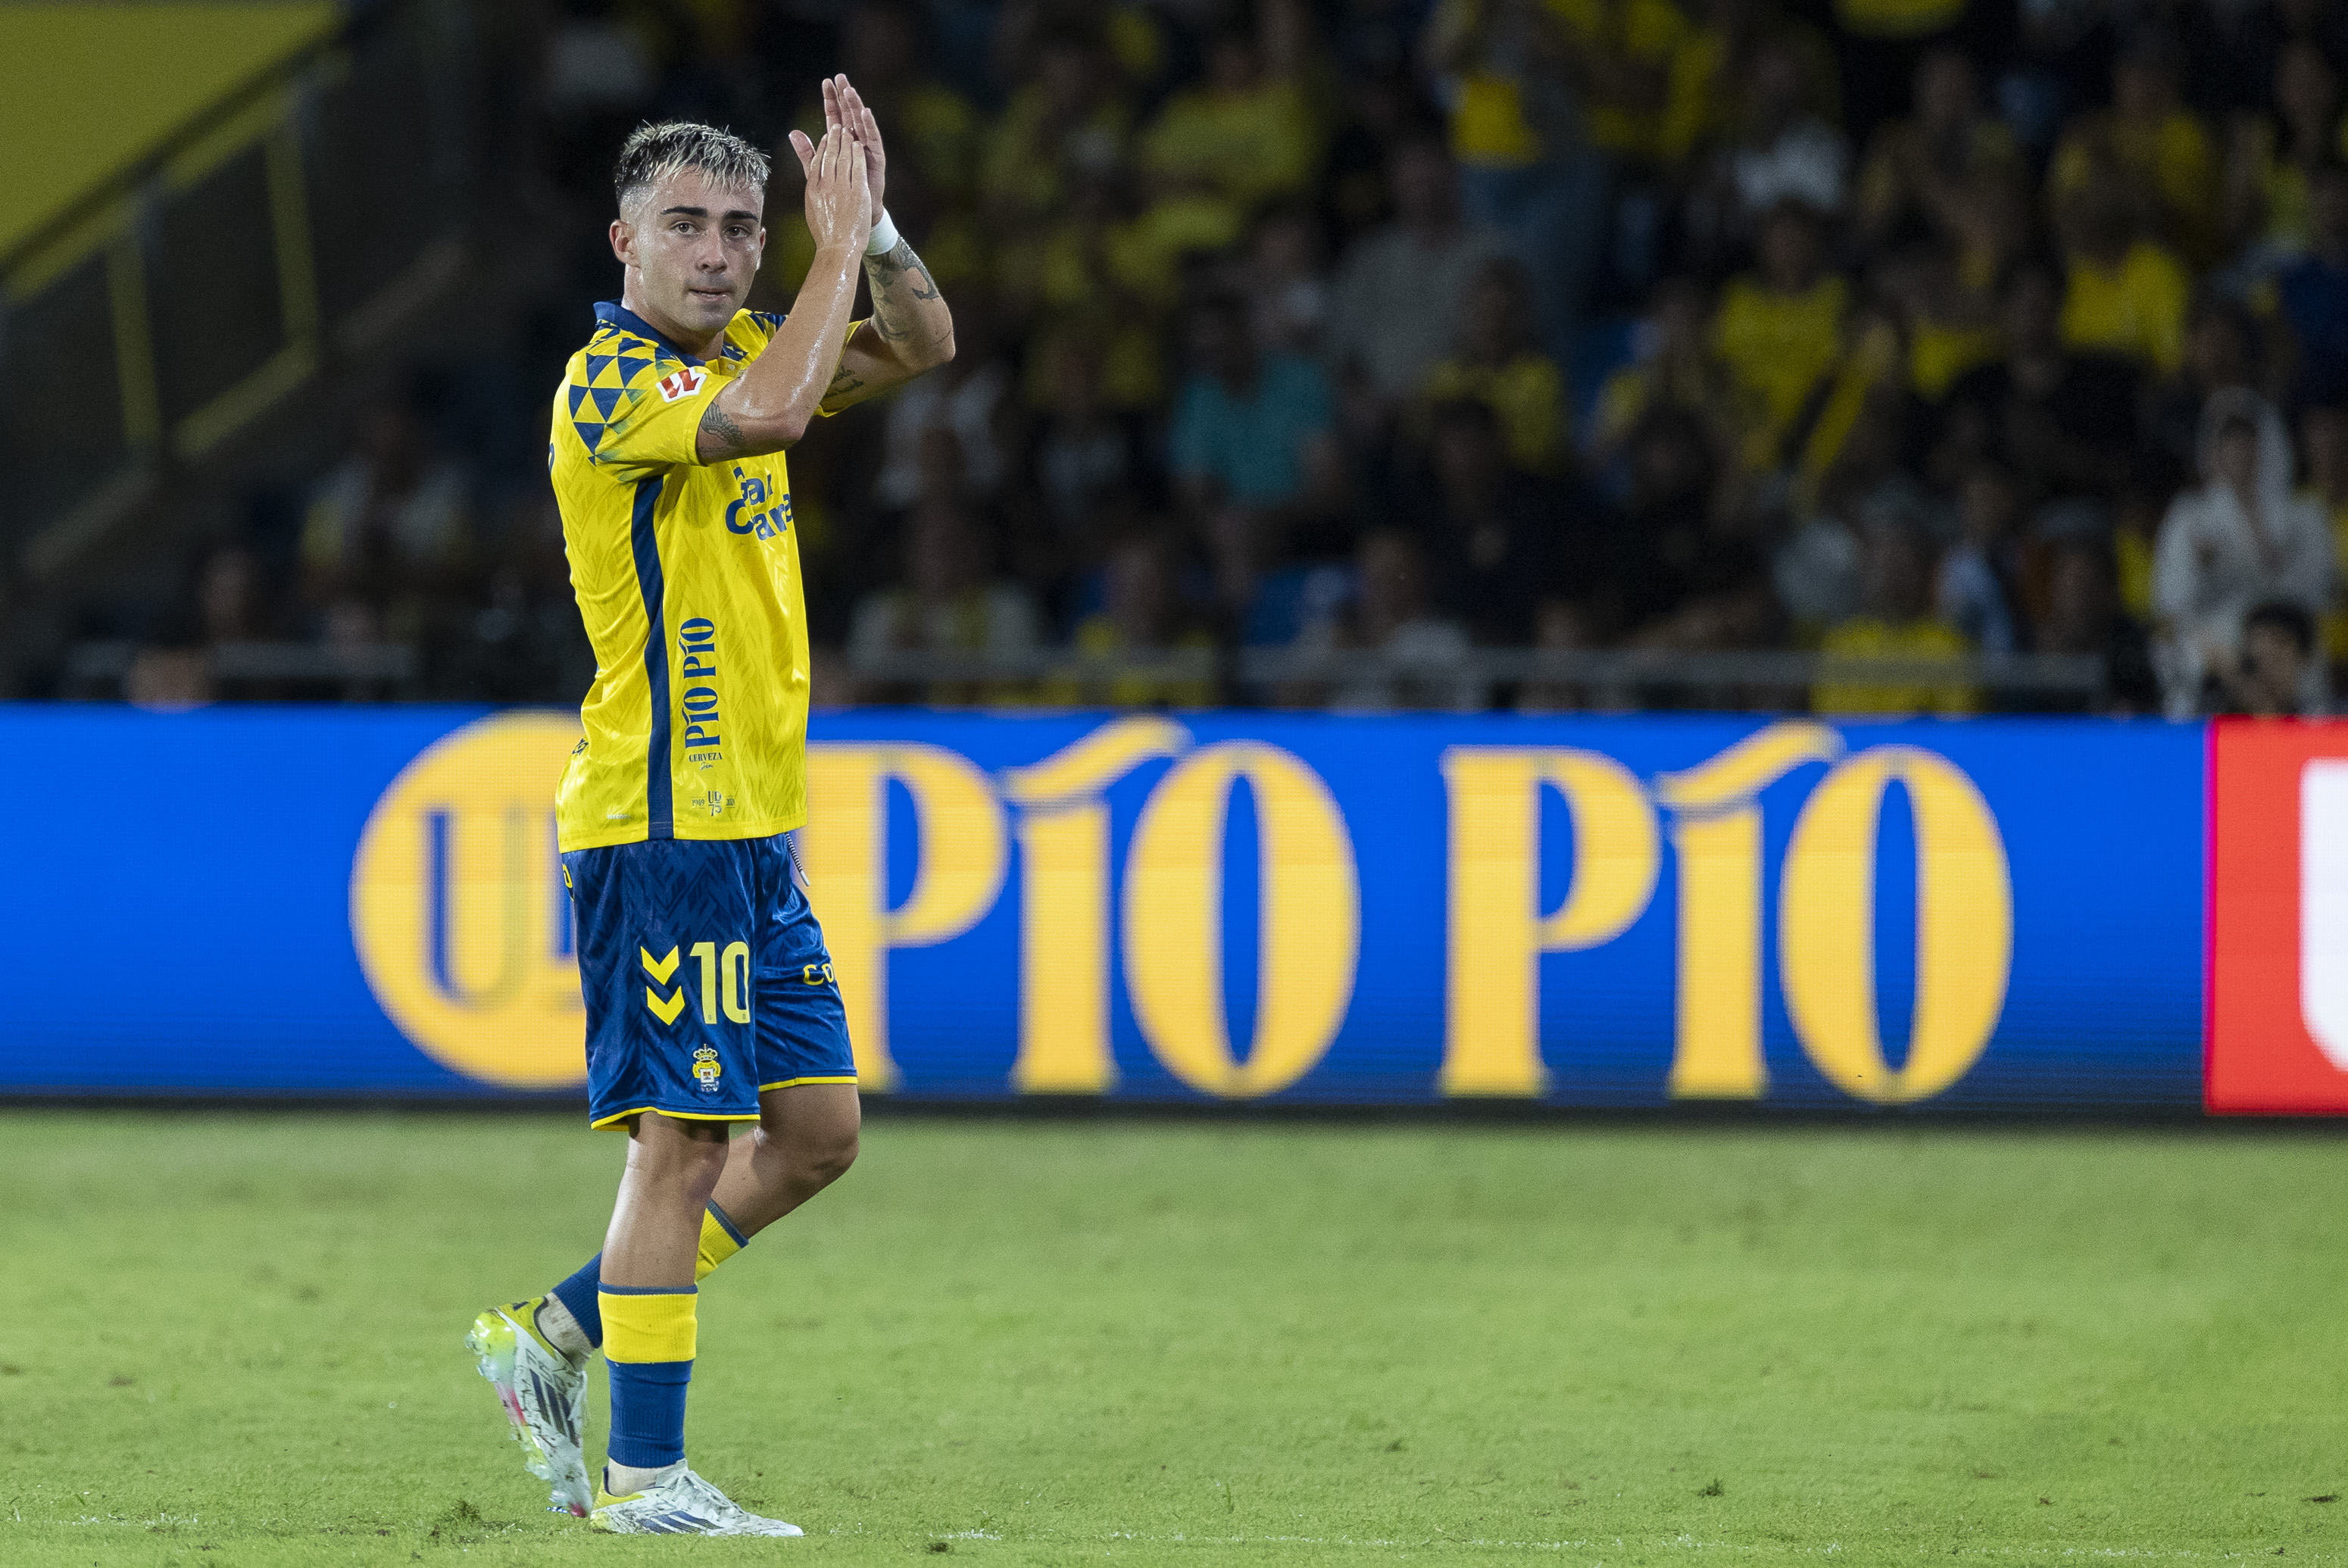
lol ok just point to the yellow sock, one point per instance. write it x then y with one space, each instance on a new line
648 1344
719 1241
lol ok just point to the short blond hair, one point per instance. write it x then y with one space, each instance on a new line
655 152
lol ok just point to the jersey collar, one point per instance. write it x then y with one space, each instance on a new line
611 313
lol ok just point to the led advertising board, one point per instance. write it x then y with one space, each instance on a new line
1590 912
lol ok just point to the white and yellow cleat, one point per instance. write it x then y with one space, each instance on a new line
544 1393
680 1503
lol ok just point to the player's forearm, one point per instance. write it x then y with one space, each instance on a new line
908 313
771 404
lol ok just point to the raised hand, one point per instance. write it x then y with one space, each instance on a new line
839 208
844 108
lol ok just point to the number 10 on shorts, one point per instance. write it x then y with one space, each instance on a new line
725 981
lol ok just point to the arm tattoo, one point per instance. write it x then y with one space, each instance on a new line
847 381
899 280
724 433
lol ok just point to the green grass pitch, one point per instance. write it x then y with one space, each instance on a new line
233 1339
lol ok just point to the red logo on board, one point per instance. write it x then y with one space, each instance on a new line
682 383
2278 982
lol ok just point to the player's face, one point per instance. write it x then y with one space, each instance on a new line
692 247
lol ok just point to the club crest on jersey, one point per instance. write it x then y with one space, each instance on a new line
682 383
708 1069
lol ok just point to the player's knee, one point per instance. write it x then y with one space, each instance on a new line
823 1160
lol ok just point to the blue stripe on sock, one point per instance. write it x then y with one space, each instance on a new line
726 1223
651 1290
577 1294
648 1412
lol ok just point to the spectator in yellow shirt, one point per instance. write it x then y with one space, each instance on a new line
1675 368
1218 151
2154 149
1620 55
1069 121
1505 71
1895 622
2123 294
1779 331
1499 366
2270 156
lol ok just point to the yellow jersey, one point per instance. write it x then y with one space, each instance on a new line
687 576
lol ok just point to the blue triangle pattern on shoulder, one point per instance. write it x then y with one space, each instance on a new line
596 364
606 399
589 431
577 395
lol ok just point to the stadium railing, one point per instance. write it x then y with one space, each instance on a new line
295 221
354 672
1603 678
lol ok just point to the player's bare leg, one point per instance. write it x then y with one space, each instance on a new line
647 1296
805 1138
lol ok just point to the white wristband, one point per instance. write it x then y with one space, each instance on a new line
884 236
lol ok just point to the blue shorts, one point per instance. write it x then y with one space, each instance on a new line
706 979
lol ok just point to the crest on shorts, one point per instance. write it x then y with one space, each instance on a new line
708 1069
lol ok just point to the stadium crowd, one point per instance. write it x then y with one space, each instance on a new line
1894 328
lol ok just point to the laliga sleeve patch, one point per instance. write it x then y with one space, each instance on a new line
682 383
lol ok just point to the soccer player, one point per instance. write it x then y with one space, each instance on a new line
709 993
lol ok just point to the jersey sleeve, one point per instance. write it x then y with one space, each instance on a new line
637 410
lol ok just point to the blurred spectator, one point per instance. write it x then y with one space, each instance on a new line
1923 170
1673 367
385 526
2064 421
2323 438
1421 653
1895 622
2313 292
1068 121
2220 351
1082 453
1497 537
2273 157
1779 331
1402 292
2275 673
2084 616
1253 432
1247 133
969 395
2123 294
1140 617
1977 573
1093 274
1681 577
1500 365
1951 315
1287 277
2243 539
930 129
1559 626
232 597
2148 155
950 601
1521 128
1785 152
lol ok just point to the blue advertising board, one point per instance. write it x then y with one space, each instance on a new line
1624 912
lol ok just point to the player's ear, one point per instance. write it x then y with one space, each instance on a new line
623 239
